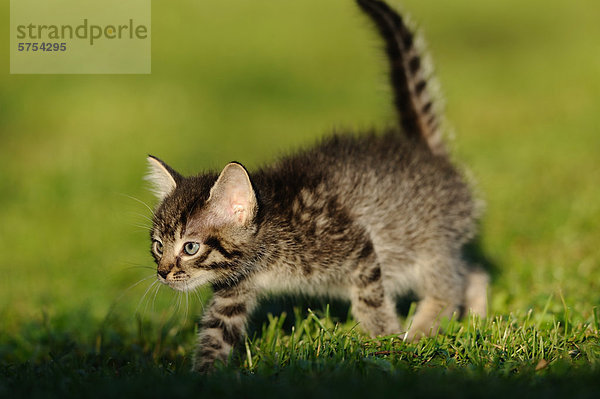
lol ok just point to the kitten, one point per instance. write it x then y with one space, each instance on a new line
366 218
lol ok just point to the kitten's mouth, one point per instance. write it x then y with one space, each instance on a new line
183 284
177 285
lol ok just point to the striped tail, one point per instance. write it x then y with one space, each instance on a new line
413 100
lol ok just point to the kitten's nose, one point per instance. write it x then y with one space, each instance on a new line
163 272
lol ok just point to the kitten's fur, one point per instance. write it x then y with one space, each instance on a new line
365 218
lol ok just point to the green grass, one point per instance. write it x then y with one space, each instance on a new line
250 80
521 353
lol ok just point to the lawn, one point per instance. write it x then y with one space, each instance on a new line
247 81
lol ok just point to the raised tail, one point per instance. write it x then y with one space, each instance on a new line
413 100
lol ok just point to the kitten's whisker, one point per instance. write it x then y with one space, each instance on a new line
139 223
140 281
175 302
143 231
195 291
147 300
141 226
199 299
179 300
187 304
132 263
144 296
158 287
144 216
140 201
126 290
140 266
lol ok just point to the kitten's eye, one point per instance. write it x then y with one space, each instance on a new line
191 248
158 247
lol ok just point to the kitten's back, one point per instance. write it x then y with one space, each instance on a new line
394 187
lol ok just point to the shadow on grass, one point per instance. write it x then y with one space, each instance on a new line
60 378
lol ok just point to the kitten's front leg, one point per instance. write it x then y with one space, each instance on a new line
372 306
223 326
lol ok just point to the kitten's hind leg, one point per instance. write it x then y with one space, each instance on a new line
372 306
426 321
442 294
476 293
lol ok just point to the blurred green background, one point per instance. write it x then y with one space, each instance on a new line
249 80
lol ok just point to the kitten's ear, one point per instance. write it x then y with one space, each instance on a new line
232 197
162 177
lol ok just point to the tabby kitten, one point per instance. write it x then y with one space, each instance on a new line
366 218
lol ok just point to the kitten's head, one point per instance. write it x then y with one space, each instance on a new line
203 225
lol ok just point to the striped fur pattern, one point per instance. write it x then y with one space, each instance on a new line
363 217
414 102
